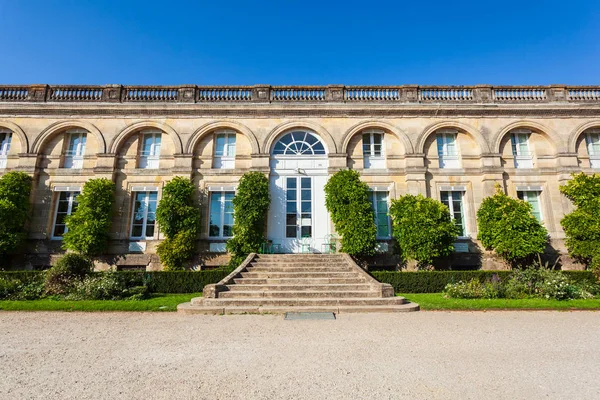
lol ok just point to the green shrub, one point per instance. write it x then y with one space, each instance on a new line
508 226
474 289
423 229
347 200
89 226
107 286
15 188
177 281
7 288
69 269
179 220
250 207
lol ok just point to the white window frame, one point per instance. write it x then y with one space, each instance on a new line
463 210
522 160
447 160
372 160
525 195
74 157
375 211
227 159
221 222
152 158
592 137
145 219
4 146
71 201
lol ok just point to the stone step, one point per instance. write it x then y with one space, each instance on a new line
298 264
262 268
299 287
296 294
299 302
332 274
300 258
300 281
188 308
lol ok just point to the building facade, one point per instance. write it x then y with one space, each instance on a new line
450 143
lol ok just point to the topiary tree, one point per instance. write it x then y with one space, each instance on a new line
15 189
88 227
508 226
250 206
582 226
179 220
423 229
347 200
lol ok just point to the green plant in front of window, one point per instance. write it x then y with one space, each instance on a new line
347 199
89 226
508 226
179 220
250 205
423 229
15 188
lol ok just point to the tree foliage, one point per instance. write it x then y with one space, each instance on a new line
15 188
508 226
179 220
89 226
422 228
347 200
250 207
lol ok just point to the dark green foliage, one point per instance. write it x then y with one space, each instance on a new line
582 226
89 226
69 269
347 200
250 206
15 188
179 220
108 286
422 228
508 226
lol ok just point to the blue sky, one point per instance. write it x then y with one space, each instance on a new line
300 42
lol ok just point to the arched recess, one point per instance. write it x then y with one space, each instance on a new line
401 135
212 126
468 129
576 133
61 126
290 125
555 139
118 141
16 129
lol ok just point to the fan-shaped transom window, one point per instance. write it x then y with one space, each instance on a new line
299 143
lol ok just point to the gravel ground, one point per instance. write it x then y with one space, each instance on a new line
432 355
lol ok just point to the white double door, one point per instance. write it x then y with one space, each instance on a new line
298 218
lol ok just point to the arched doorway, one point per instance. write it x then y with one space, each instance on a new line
298 219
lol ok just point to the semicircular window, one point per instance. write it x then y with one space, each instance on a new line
299 143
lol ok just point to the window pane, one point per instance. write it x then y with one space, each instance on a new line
290 231
307 231
150 230
227 230
290 219
220 145
291 194
366 144
306 206
305 183
213 231
59 230
291 183
136 231
306 194
291 207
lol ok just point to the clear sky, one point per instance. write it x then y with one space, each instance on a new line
425 42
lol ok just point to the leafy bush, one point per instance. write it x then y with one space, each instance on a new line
474 289
107 286
7 288
89 226
69 269
179 220
250 207
508 226
422 228
15 188
347 200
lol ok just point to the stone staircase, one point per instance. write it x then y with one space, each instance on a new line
279 283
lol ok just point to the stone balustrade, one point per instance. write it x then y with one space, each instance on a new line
300 94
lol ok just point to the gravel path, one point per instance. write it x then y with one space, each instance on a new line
432 355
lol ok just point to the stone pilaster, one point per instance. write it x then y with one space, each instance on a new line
186 94
557 93
112 93
37 93
261 93
483 94
334 93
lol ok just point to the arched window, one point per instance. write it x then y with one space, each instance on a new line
299 143
5 138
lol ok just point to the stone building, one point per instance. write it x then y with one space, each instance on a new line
450 143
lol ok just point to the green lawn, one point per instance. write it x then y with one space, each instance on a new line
436 301
158 302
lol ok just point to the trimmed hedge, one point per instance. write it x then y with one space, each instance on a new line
436 281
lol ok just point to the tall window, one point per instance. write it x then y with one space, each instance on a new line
5 138
144 215
75 149
532 197
520 149
454 201
221 215
66 205
150 152
593 144
379 202
448 149
373 149
225 150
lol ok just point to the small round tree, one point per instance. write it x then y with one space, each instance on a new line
508 226
250 207
347 200
15 188
89 226
422 228
179 220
